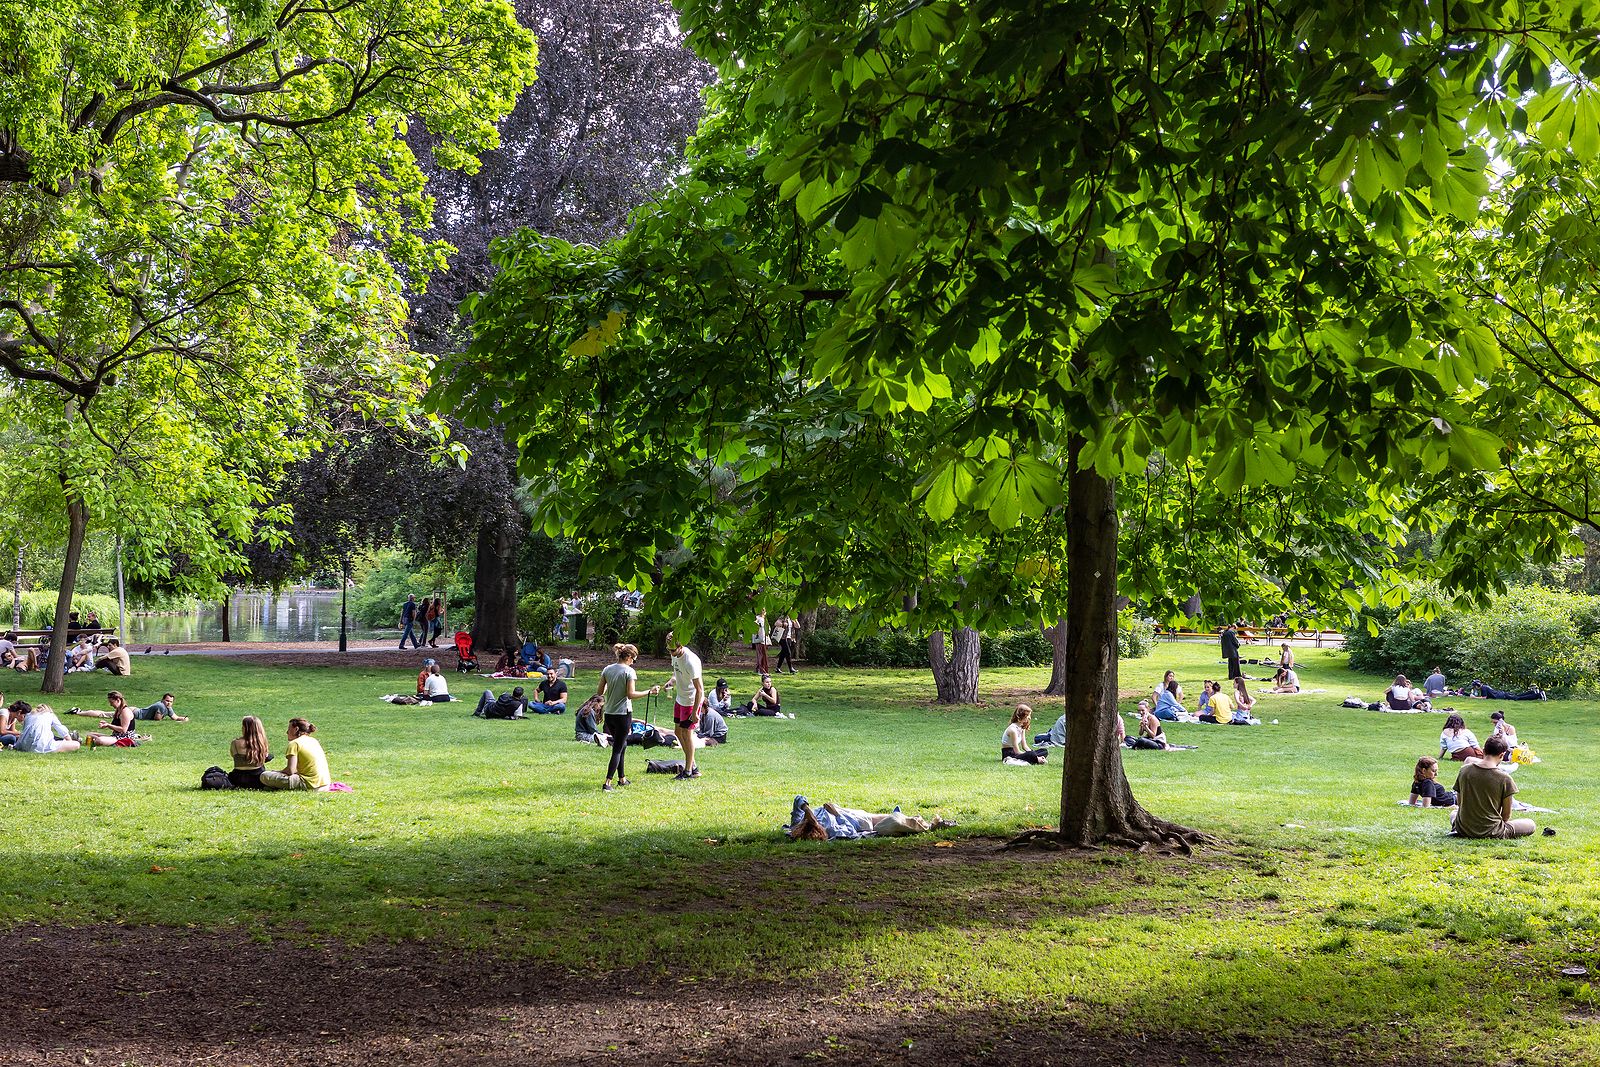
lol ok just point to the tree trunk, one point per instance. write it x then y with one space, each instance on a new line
1057 636
55 669
494 586
955 678
1097 805
227 612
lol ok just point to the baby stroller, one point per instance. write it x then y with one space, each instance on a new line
465 660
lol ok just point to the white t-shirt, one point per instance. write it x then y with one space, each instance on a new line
1291 679
619 679
1399 693
685 669
435 686
1014 738
40 731
761 630
1455 742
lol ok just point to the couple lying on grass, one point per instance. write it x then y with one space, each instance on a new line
831 822
305 763
1481 798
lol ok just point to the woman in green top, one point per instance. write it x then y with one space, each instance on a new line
305 766
250 755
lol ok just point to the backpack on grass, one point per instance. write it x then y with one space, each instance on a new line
215 778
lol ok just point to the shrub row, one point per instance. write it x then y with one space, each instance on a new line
39 609
1531 635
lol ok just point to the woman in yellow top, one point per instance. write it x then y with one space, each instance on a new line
1221 706
306 767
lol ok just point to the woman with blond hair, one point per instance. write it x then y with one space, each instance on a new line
618 690
250 754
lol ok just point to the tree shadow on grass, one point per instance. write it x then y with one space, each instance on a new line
156 996
1124 938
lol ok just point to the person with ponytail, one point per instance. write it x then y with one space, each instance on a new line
619 689
250 755
305 764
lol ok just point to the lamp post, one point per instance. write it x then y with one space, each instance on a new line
344 595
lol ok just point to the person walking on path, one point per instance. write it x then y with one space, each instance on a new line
688 701
761 642
785 632
408 622
1230 650
618 690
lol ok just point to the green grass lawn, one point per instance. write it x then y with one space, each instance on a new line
1329 909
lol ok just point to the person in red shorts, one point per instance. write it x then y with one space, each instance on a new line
688 699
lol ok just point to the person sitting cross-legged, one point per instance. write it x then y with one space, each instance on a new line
1483 797
552 695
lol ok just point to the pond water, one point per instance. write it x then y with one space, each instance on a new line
298 615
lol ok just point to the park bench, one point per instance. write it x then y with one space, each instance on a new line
41 638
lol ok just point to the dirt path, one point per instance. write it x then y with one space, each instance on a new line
153 997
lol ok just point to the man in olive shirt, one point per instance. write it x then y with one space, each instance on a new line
1484 792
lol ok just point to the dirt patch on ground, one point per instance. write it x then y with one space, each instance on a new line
152 997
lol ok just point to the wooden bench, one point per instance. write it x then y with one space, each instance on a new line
41 638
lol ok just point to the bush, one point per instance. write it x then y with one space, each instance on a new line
1136 637
1531 635
834 647
537 615
39 609
1015 648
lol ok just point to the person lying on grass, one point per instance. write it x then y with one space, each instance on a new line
1483 797
831 822
508 705
305 764
1426 791
1489 692
161 709
1014 747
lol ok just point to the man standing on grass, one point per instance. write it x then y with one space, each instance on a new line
1483 797
1230 650
688 700
408 619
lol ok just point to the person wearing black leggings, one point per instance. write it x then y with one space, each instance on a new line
618 690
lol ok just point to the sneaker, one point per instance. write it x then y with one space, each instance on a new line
608 788
74 711
680 776
1549 831
695 773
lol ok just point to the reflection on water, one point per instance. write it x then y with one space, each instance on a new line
308 615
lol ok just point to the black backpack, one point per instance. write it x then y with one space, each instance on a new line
215 778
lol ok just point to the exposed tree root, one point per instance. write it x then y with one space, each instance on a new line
1145 834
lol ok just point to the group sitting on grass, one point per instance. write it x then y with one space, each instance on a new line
1482 798
48 734
514 704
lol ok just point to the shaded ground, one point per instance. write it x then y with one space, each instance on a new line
152 996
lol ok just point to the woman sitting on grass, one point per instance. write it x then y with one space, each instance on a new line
1425 788
1166 680
1242 700
436 689
1456 741
1221 712
41 731
1014 746
250 755
1169 702
587 723
1151 735
1402 697
1285 681
305 764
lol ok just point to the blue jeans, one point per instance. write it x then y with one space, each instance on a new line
411 633
539 708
